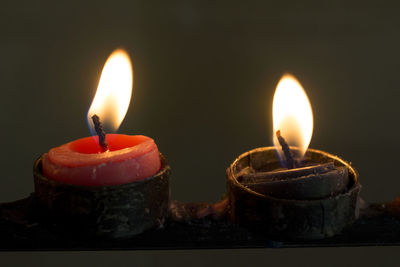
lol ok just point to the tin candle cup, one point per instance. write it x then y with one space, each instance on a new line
303 207
118 211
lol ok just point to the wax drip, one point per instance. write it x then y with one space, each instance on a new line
290 162
100 132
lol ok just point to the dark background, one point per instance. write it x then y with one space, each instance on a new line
205 74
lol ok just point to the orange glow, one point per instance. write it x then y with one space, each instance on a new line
292 115
114 91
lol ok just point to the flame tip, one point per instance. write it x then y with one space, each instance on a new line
119 51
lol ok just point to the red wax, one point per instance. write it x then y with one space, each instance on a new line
81 162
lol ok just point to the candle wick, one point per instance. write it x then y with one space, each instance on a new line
290 163
100 132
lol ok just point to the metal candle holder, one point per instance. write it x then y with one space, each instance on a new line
310 206
34 223
118 211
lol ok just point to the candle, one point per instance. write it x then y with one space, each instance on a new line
296 177
81 162
128 158
288 190
106 185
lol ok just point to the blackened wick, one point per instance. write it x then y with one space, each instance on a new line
100 132
290 163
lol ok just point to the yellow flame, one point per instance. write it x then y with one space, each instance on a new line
292 115
114 92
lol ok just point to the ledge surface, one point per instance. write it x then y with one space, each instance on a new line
20 229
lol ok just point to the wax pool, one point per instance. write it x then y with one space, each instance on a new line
81 162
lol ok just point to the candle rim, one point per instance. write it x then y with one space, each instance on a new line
67 155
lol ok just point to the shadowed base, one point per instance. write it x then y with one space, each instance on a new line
377 225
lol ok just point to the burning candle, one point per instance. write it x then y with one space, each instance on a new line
127 158
289 190
296 177
111 185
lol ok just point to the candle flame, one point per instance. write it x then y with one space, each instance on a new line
292 115
113 93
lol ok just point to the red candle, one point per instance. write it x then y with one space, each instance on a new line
128 158
82 162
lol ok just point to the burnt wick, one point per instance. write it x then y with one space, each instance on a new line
290 163
100 132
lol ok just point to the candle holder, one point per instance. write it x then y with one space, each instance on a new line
26 224
307 205
118 211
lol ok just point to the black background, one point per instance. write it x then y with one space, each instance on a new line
205 74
